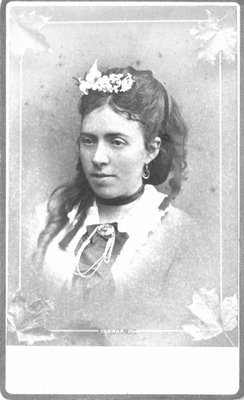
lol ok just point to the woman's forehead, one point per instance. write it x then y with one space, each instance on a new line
105 119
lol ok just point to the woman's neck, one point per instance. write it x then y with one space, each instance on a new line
120 200
113 209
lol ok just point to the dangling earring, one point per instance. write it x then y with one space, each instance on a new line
146 172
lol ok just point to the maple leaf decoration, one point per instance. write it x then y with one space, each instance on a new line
28 321
212 317
216 35
24 34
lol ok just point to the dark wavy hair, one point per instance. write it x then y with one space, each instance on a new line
157 113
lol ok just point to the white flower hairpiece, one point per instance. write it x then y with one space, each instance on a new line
106 83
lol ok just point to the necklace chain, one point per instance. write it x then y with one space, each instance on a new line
104 257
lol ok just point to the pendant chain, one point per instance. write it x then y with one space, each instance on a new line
104 257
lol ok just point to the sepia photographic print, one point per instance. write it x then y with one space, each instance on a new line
122 198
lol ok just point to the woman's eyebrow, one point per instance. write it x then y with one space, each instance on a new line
106 134
114 134
87 133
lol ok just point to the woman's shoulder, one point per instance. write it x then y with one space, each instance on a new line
177 216
197 258
192 245
181 223
175 223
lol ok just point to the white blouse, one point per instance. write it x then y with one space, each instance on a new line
151 283
140 220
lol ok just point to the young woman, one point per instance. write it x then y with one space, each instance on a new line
117 257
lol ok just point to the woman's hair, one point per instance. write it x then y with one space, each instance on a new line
157 113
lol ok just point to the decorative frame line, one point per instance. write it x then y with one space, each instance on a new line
21 154
20 171
125 22
220 181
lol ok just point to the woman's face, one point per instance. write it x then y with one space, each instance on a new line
113 153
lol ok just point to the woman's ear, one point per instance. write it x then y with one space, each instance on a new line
154 148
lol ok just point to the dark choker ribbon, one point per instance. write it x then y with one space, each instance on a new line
121 200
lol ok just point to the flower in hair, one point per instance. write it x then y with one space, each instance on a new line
94 80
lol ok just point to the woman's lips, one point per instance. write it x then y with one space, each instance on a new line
101 176
102 179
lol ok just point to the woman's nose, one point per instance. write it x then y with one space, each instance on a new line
101 155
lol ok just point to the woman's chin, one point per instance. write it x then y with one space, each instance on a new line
106 194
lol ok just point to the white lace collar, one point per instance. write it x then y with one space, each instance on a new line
137 222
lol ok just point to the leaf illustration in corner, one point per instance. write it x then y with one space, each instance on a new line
212 317
24 34
216 35
28 321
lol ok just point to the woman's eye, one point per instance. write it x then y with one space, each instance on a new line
86 140
118 142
